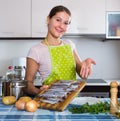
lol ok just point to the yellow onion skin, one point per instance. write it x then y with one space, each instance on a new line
31 106
25 98
20 105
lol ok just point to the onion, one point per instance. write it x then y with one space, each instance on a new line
31 106
20 105
25 99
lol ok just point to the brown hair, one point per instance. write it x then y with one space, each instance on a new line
57 9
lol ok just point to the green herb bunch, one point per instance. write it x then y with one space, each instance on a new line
101 107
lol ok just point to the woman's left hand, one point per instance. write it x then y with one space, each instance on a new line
86 68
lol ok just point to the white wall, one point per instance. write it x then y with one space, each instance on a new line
106 54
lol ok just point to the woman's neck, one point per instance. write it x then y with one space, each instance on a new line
53 42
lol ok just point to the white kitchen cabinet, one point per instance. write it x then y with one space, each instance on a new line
15 18
88 16
113 25
112 5
40 11
113 19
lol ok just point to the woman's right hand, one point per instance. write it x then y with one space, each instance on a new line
86 68
44 87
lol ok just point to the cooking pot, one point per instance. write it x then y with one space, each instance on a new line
13 88
0 87
1 81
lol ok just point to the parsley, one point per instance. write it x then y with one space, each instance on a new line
101 107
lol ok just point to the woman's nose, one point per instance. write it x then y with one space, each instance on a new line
62 25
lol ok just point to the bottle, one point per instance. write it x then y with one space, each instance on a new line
10 74
114 97
6 84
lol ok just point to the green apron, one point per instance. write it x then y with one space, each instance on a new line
63 64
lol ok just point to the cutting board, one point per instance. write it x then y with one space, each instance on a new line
61 105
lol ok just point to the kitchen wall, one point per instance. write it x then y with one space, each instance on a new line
106 54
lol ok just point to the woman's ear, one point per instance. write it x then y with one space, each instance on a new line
48 20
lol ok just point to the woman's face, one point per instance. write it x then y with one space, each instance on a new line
58 24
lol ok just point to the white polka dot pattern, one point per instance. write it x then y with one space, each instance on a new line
63 64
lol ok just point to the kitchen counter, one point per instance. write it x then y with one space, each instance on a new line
96 82
89 82
10 113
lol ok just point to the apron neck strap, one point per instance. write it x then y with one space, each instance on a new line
46 41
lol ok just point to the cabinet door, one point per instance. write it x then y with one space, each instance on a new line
113 19
40 11
88 16
113 5
15 18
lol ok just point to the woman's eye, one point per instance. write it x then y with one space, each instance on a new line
57 19
66 23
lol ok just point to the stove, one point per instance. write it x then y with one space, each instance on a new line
95 82
96 88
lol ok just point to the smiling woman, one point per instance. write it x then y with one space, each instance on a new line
54 58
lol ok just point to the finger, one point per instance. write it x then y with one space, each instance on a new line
82 71
90 70
86 73
44 87
93 62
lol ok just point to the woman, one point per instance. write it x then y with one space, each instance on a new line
54 58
